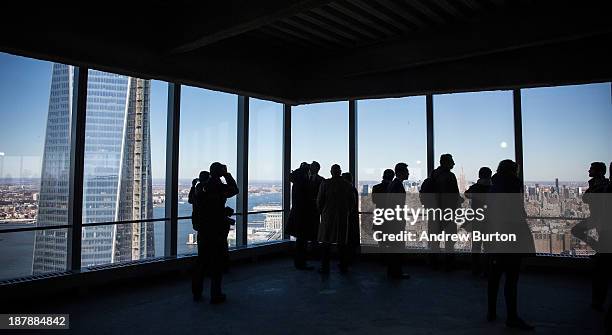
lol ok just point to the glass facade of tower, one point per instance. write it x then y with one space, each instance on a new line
50 245
117 183
107 104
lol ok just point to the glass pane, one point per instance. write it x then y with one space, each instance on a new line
319 132
389 131
118 171
208 134
265 170
16 250
477 129
34 164
565 129
265 227
158 122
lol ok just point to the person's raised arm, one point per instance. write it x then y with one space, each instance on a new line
232 188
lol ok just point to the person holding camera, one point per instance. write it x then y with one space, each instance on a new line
213 225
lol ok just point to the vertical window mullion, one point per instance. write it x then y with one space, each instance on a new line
286 166
518 132
242 177
429 107
77 161
172 160
353 140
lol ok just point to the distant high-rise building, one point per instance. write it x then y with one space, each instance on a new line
274 221
532 191
117 183
364 189
462 184
557 185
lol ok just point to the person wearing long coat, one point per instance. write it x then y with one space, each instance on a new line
301 224
315 184
354 238
506 215
335 201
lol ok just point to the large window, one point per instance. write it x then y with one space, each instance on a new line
389 131
123 118
34 164
319 132
265 171
564 130
477 128
208 134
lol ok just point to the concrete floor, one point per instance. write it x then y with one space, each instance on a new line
270 297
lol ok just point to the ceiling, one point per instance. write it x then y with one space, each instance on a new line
304 51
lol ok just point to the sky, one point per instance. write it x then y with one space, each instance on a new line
564 129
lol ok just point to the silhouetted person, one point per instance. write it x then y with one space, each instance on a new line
354 240
447 197
315 179
379 194
378 190
606 247
478 194
506 214
335 201
396 196
315 185
301 224
214 225
595 196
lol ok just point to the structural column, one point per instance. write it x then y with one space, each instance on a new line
518 132
77 161
353 140
172 158
286 166
429 106
242 177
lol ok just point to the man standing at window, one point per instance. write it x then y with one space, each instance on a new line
214 225
396 196
447 192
